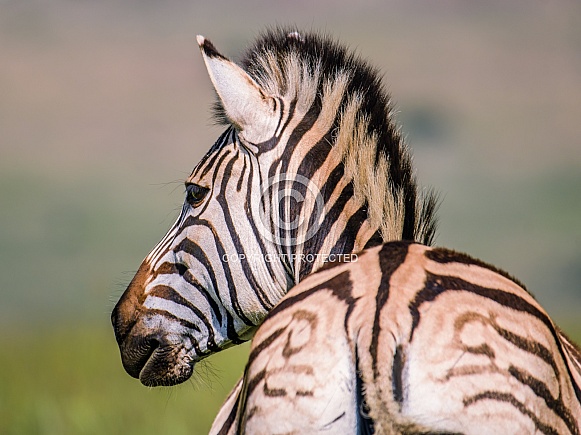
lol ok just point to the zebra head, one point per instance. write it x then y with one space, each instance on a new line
310 166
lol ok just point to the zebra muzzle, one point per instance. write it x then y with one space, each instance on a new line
155 361
148 351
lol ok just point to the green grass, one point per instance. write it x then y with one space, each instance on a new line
72 382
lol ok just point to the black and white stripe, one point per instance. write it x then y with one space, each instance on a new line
406 339
423 341
309 138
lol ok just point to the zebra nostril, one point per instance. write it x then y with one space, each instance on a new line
136 352
153 343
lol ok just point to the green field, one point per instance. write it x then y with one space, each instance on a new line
104 110
64 381
71 382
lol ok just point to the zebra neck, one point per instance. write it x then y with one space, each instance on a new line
338 242
316 214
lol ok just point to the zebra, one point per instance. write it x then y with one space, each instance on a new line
304 115
423 340
311 166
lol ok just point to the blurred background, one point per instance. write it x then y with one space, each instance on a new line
104 110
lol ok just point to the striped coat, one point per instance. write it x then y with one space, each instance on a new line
407 340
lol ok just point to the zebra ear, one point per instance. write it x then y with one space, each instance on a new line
246 104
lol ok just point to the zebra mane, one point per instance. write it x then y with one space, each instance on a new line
311 68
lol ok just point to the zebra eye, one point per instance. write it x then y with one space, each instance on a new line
195 193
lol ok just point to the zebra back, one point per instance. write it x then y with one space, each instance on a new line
424 340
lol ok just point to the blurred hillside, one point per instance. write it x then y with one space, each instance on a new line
104 109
